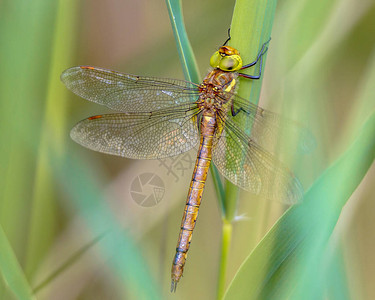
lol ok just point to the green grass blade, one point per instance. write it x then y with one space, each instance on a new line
11 270
251 27
226 238
69 262
189 64
289 256
25 36
44 212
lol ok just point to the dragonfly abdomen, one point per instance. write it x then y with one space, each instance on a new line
208 126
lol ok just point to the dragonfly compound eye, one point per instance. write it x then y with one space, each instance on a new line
215 59
230 63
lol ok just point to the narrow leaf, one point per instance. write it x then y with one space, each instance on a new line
189 65
11 270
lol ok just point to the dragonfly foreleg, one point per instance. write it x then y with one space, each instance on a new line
228 37
260 54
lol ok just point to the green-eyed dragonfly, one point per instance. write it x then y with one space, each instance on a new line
160 118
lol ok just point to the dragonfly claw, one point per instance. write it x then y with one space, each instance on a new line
173 286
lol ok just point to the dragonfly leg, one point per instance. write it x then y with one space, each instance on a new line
253 76
260 54
234 113
227 38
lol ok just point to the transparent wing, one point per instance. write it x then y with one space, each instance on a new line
268 128
125 92
154 135
246 164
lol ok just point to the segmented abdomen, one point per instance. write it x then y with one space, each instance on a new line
208 125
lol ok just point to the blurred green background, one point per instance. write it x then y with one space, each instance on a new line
70 227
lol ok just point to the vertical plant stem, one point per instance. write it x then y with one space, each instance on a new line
220 191
225 246
231 199
189 64
251 27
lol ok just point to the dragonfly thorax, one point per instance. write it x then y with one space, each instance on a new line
216 89
220 80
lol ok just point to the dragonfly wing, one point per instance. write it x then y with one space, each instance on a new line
268 128
159 134
125 92
247 165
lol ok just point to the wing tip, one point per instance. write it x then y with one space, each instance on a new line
66 74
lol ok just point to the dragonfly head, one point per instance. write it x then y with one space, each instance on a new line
226 59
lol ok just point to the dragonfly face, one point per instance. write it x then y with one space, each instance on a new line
226 59
158 119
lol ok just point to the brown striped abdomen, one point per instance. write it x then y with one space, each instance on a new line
208 125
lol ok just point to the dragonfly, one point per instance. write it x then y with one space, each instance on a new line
158 118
